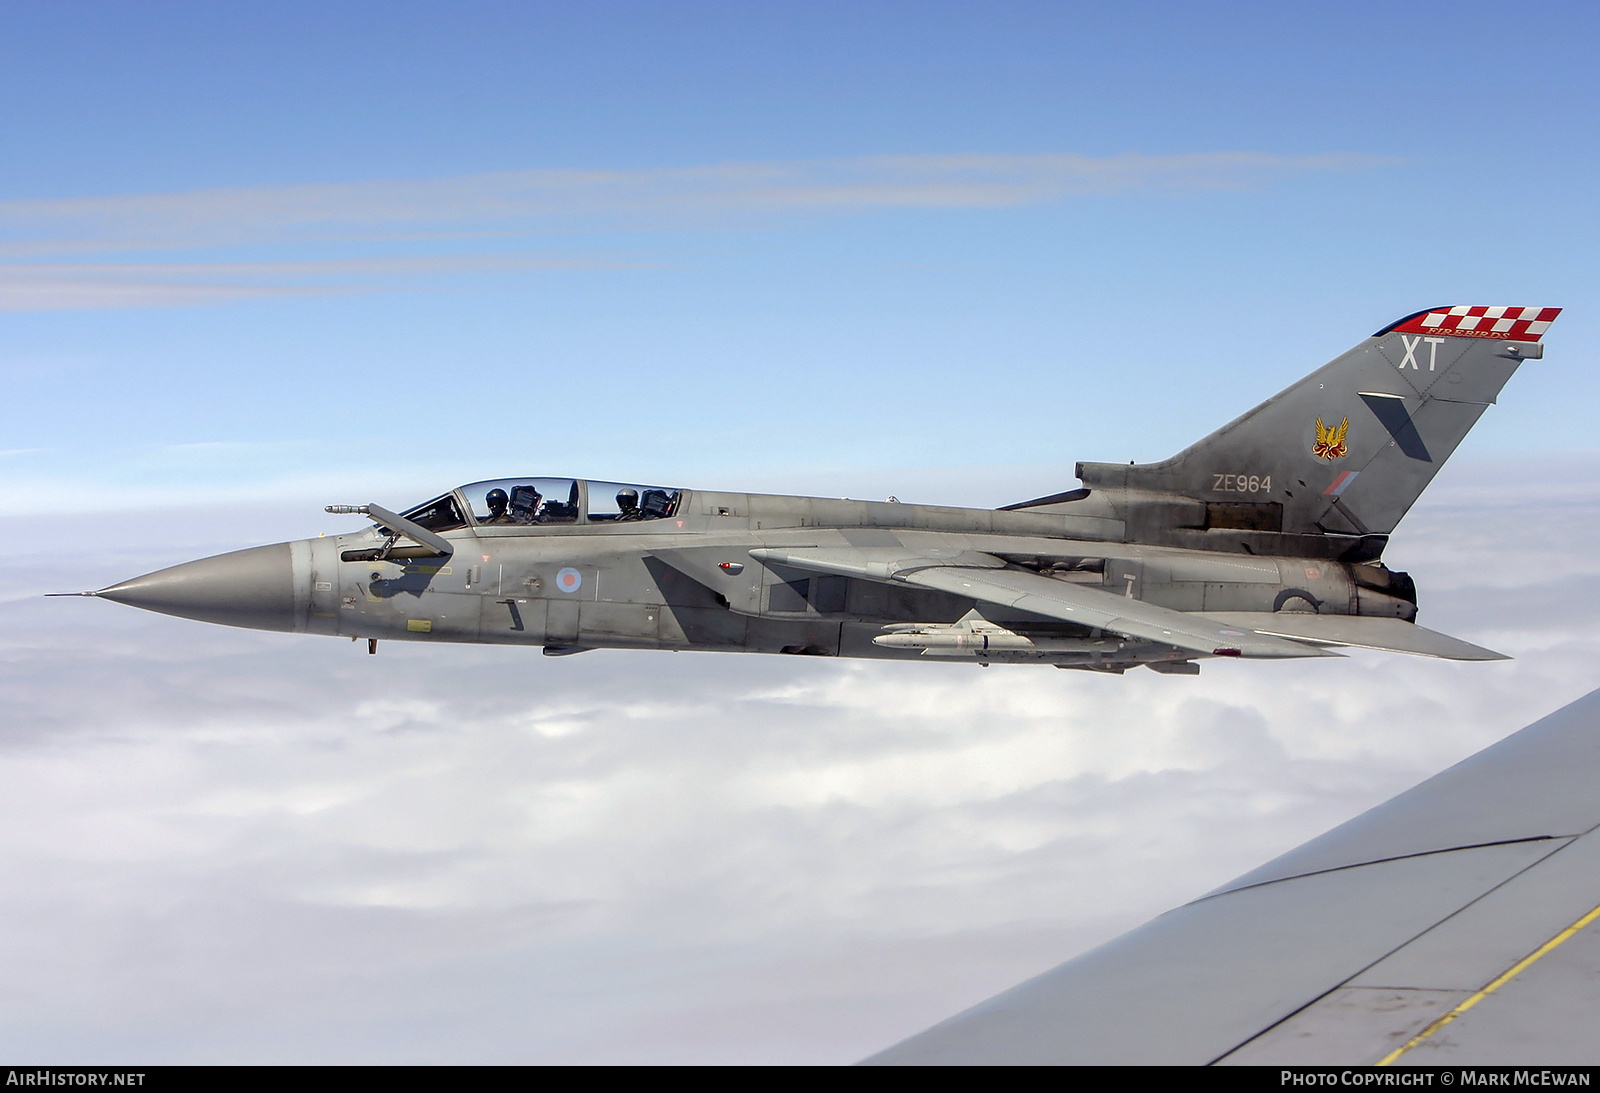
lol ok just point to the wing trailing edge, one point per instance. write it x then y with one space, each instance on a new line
1358 632
987 579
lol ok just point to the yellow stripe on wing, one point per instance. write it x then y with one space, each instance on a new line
1499 981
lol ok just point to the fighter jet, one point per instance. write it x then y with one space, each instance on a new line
1263 540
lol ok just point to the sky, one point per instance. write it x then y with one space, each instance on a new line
255 261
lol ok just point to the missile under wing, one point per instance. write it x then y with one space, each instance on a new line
1263 540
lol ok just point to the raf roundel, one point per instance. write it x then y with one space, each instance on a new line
1312 481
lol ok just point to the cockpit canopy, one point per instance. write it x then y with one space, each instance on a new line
541 501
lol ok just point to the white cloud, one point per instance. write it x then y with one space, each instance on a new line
223 845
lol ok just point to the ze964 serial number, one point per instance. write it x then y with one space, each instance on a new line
1241 483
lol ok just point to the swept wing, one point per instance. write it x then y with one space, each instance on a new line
986 578
978 575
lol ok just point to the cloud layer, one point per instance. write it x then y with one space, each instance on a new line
222 845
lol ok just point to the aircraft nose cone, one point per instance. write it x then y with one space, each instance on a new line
253 588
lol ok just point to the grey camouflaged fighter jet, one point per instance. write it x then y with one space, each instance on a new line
1263 540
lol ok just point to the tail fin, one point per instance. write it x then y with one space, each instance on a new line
1349 449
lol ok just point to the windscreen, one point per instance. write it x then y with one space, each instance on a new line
440 514
525 501
619 501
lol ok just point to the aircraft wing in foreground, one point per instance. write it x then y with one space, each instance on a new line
1454 924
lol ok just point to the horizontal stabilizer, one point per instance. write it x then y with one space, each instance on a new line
1357 631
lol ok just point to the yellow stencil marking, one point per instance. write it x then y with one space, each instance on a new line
1499 981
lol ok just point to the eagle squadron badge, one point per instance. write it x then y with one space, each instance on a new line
1330 442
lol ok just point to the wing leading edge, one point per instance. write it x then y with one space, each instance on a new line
984 577
987 578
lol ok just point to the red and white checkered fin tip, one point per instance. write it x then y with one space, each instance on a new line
1512 324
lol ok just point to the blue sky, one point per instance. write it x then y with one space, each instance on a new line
742 244
256 259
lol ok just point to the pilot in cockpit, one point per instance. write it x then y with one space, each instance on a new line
628 503
497 500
